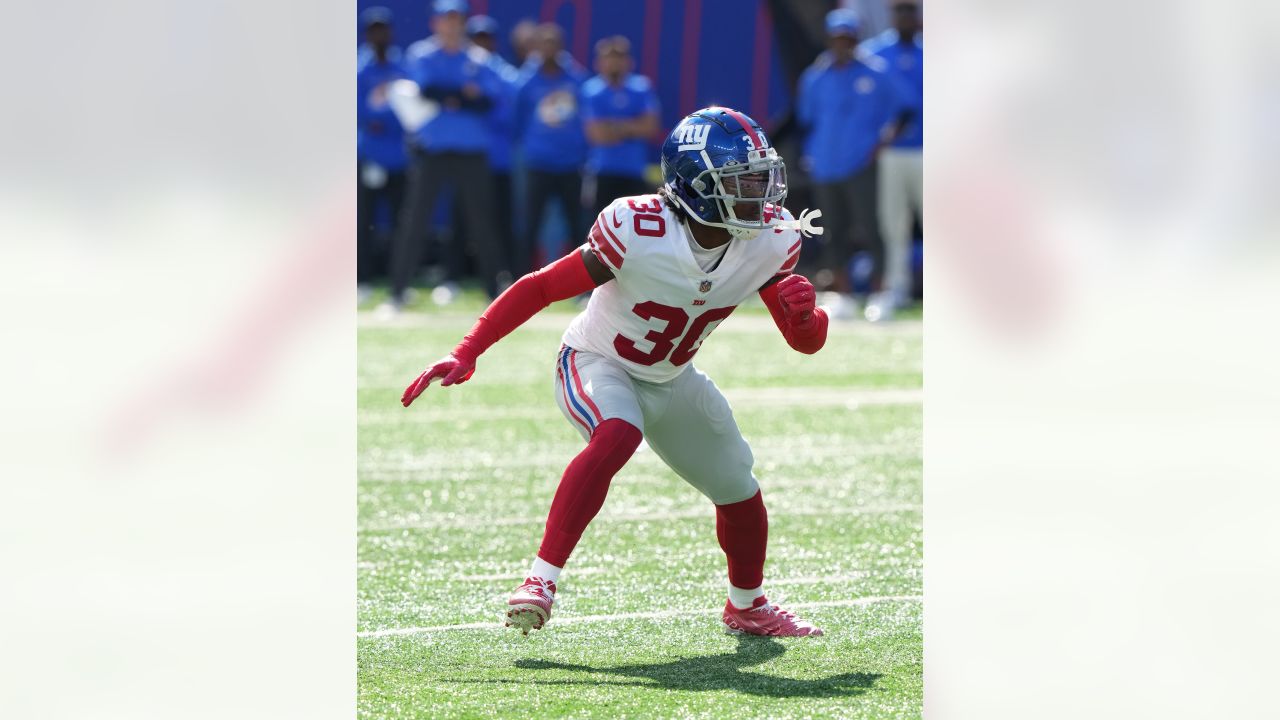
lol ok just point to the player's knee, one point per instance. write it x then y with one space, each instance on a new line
748 510
617 434
738 488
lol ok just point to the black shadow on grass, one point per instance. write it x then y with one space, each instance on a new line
711 672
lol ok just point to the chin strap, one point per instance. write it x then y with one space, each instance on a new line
804 223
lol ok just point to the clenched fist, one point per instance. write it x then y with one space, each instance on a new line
798 298
453 369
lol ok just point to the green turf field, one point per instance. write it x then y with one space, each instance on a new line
453 493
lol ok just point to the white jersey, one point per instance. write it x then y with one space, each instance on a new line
654 315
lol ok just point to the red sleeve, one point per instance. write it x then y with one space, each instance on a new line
807 335
561 280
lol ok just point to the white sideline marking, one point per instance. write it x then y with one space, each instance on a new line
632 616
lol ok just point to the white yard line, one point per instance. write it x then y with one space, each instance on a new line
742 322
519 574
386 632
743 397
825 396
514 575
432 465
455 523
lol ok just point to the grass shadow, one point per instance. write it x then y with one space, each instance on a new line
713 672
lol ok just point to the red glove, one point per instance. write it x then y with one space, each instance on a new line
561 280
454 369
798 299
791 303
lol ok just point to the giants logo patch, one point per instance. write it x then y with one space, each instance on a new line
692 137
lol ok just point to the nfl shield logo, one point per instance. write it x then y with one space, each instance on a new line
704 286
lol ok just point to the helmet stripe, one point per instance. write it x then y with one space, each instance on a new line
742 120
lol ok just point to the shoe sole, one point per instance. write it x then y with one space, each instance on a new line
526 617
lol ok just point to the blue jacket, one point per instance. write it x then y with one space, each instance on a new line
502 117
548 117
440 76
379 136
633 98
842 111
906 60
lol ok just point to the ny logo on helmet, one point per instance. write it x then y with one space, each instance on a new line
692 137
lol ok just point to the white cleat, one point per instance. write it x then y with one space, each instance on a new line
530 606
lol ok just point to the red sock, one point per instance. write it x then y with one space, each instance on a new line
743 530
584 486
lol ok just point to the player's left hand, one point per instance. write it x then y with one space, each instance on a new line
453 369
798 298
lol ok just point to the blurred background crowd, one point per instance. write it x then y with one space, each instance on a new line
538 113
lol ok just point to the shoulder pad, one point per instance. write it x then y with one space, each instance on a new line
611 234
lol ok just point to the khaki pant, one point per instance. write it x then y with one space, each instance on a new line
687 421
901 198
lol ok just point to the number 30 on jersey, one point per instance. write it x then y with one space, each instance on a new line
664 341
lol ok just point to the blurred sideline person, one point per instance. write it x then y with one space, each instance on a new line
844 105
621 114
483 31
902 163
549 128
451 149
380 153
523 36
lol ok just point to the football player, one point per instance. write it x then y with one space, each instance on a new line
666 269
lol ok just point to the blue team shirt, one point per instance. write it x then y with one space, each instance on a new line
502 118
548 117
633 98
456 130
906 60
843 110
379 135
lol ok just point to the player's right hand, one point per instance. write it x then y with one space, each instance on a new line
453 369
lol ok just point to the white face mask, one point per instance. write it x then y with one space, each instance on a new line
750 195
743 191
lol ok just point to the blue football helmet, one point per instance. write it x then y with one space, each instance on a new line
718 164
